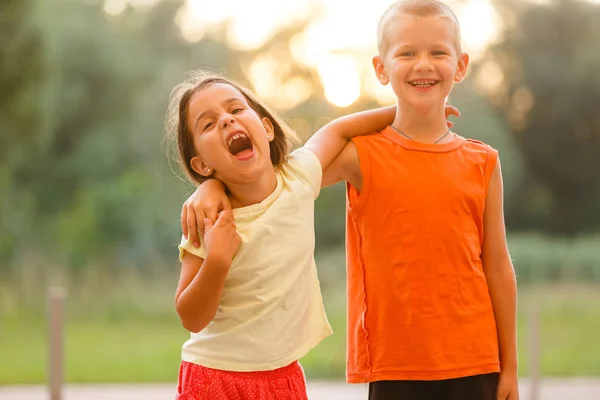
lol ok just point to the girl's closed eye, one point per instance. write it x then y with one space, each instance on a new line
208 125
236 110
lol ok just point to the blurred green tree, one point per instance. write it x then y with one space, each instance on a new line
550 99
23 71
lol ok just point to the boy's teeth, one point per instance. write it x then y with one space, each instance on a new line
423 84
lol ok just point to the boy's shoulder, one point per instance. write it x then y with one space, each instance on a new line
476 143
478 146
369 137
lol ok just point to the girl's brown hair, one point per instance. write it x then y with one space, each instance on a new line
177 126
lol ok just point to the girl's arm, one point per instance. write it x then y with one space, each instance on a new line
329 141
207 201
201 281
502 285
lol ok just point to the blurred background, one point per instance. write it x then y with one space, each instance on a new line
91 200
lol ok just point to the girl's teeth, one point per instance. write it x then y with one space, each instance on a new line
236 136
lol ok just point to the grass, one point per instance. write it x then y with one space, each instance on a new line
124 329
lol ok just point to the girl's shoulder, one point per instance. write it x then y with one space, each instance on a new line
303 165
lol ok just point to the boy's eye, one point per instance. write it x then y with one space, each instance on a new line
439 53
407 54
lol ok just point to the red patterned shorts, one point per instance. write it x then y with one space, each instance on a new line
201 383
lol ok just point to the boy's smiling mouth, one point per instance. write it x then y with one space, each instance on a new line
423 83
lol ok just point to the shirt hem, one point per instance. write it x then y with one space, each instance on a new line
422 376
266 366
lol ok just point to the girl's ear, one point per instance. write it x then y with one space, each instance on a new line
200 166
268 124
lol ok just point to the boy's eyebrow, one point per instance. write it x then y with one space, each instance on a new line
204 113
438 46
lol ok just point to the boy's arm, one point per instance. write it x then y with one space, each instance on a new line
500 277
328 141
344 165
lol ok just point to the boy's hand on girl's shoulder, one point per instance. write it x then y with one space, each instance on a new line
205 203
221 238
508 386
451 111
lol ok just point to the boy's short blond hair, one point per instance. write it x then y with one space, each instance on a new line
417 8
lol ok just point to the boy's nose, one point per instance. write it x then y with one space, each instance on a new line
423 64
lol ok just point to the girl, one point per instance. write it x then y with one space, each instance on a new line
249 292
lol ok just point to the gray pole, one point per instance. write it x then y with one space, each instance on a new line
56 300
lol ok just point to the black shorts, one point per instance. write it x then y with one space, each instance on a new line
477 387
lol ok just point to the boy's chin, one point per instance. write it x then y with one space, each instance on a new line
425 106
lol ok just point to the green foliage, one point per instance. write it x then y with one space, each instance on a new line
549 99
83 154
23 72
84 177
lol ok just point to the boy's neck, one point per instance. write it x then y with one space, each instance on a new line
246 194
424 125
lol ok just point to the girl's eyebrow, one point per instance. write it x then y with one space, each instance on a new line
204 113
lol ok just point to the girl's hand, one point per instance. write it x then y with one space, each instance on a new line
451 111
206 202
508 386
221 239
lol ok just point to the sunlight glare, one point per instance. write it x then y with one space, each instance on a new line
340 78
267 80
208 11
262 74
339 41
192 30
114 7
490 77
479 25
142 3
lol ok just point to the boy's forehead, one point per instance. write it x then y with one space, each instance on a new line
406 29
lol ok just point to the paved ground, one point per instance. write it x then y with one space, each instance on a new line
551 389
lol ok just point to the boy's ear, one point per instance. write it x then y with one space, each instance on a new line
380 70
268 124
200 166
463 66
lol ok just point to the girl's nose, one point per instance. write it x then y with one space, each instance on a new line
227 120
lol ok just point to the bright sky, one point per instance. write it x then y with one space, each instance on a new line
339 41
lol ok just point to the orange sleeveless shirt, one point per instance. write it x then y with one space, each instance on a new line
418 300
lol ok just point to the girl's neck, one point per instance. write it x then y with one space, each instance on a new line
246 194
425 125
